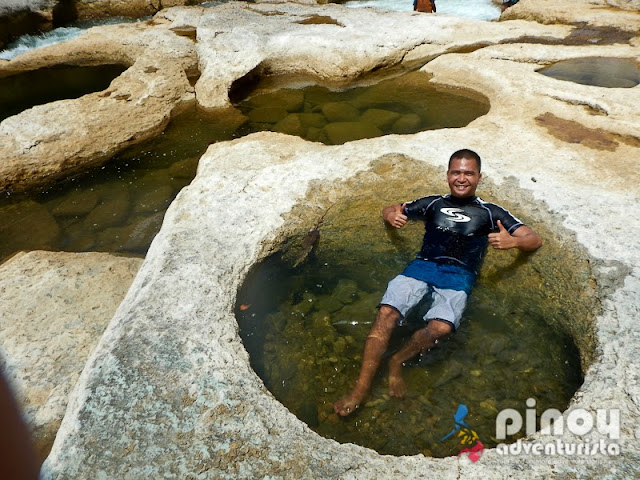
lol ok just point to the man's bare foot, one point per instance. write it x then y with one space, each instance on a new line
347 405
397 387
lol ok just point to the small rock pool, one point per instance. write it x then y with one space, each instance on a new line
523 335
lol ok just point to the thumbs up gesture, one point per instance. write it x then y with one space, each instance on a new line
502 240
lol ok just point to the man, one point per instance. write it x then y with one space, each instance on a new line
458 228
427 6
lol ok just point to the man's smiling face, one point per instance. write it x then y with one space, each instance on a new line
463 177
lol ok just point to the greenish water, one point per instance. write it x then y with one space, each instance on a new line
119 207
25 90
115 208
596 71
305 329
401 105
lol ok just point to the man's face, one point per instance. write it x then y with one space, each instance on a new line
463 177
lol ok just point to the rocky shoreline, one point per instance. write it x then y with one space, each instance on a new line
168 391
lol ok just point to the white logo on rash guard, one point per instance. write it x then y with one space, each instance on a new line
455 214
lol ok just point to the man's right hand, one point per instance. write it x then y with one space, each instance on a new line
393 216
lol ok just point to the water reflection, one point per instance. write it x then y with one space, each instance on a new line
596 71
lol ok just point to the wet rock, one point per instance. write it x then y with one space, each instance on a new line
315 120
345 292
287 99
342 132
317 135
305 305
109 212
142 233
35 227
409 123
78 203
382 119
329 303
54 308
184 169
291 125
340 112
267 114
153 201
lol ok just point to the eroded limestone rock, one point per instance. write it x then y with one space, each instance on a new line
54 308
171 375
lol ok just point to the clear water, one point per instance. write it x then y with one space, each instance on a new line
474 9
596 71
119 207
305 329
115 208
401 105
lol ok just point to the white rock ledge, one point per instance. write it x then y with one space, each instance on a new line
170 393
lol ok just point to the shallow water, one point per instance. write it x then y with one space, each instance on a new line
120 207
115 208
402 105
25 90
596 71
305 329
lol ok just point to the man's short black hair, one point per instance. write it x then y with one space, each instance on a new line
468 154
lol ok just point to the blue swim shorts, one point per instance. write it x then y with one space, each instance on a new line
405 292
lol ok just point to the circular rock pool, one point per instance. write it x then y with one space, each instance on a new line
304 315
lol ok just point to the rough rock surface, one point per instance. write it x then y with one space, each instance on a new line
169 391
75 134
54 308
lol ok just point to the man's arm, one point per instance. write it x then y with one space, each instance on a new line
523 238
394 215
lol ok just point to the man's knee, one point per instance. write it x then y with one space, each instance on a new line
388 314
439 329
387 319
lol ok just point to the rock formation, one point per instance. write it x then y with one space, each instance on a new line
54 309
169 391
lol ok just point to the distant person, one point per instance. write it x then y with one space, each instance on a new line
18 459
426 6
458 228
508 3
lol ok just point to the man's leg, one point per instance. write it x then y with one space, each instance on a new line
422 340
443 317
374 348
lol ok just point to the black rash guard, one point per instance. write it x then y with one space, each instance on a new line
456 229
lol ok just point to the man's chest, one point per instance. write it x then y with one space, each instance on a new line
465 220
